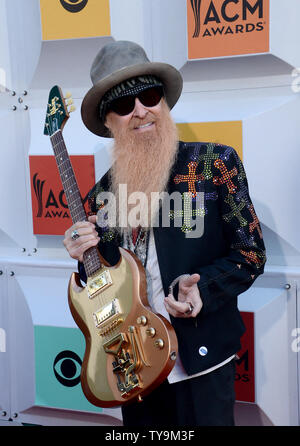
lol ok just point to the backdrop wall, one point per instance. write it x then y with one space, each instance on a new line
241 87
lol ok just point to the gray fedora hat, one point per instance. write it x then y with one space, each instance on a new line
115 63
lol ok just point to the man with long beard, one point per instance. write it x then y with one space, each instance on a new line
131 101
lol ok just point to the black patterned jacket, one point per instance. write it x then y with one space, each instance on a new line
228 256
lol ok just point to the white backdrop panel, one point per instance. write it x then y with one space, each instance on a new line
4 347
15 221
21 354
21 30
272 147
46 292
276 380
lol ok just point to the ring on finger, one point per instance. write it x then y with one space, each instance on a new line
190 310
75 235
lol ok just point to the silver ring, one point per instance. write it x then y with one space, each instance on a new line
75 235
190 310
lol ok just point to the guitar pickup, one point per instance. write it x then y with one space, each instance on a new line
107 314
98 283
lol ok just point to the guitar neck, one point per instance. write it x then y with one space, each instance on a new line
91 259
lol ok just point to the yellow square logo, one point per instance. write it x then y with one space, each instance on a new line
229 133
73 19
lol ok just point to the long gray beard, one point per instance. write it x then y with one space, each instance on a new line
142 167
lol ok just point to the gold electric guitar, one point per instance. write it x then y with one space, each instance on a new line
129 349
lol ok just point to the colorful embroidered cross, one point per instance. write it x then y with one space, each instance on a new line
207 195
208 158
242 194
187 213
236 211
225 156
226 176
195 155
253 257
244 241
191 178
255 223
241 173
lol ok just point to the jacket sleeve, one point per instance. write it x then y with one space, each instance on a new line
231 275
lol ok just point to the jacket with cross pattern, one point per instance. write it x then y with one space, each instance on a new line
229 255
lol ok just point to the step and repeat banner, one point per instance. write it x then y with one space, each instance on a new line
69 19
50 213
227 28
217 42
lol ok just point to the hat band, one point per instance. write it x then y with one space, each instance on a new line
129 87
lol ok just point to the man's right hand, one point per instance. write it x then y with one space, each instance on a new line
88 237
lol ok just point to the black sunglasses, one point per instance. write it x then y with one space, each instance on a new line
125 105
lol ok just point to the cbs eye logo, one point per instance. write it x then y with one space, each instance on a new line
74 5
67 367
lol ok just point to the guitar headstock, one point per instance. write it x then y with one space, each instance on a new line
57 111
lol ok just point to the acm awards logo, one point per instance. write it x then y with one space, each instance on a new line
242 373
50 205
216 19
74 5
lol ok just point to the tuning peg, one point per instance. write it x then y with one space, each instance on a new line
68 95
72 109
70 102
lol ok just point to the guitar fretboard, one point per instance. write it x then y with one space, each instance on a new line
91 259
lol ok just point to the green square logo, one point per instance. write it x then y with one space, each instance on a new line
59 353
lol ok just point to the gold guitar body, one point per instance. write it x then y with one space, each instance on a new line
129 349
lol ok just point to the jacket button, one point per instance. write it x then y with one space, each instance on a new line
203 351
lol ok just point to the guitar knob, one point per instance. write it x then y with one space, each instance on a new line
159 343
151 332
141 320
173 356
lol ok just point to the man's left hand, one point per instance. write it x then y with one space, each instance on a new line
189 302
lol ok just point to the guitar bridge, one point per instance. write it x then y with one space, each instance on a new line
126 364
